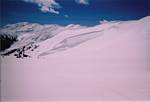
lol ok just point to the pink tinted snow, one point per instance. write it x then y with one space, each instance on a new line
113 67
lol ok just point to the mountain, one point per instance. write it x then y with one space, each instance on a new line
106 62
28 39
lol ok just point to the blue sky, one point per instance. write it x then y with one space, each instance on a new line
65 12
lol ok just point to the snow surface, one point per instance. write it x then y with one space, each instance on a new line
107 62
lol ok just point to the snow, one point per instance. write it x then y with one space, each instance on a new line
107 62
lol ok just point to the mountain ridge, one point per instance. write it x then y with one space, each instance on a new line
28 38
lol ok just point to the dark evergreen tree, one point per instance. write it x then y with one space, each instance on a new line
6 41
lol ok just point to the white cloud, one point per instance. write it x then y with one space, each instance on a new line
46 5
51 6
84 2
66 16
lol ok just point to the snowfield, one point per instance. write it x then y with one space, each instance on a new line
106 62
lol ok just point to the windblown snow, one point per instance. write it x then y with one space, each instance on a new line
109 61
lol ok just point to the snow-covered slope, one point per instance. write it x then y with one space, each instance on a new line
109 62
28 36
38 40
